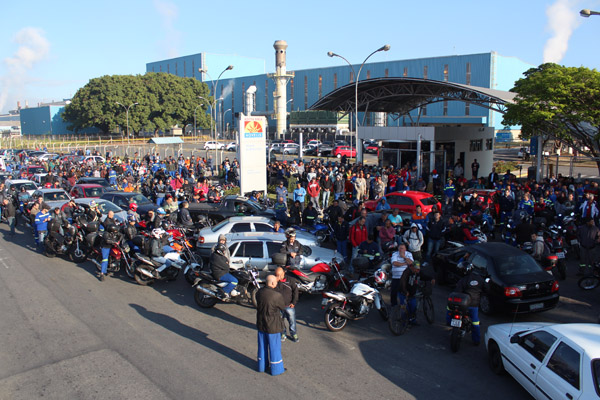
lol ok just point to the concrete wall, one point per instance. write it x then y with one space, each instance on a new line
462 136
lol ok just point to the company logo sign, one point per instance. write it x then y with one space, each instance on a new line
253 129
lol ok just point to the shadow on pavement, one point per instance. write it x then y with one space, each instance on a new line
194 334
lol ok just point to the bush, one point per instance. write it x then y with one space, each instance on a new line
235 190
503 166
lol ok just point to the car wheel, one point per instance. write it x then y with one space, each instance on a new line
495 358
485 304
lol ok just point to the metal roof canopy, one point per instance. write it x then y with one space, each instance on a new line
401 95
165 140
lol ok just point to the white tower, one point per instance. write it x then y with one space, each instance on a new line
281 78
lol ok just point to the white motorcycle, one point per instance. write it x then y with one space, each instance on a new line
341 307
147 270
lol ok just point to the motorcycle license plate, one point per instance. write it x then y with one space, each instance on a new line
457 323
536 306
324 302
560 255
574 242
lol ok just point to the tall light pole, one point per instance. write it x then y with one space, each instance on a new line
127 114
587 13
215 85
356 78
209 104
223 118
196 109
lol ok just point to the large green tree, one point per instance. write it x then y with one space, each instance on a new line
164 100
560 102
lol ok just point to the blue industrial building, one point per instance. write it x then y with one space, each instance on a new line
486 70
46 119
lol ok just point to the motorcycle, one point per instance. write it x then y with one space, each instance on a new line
554 239
321 229
208 291
57 244
592 281
318 279
341 307
147 270
549 263
458 307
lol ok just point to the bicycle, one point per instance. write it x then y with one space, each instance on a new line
399 319
592 280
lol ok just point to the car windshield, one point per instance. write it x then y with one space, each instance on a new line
429 201
219 225
55 196
93 192
105 207
139 199
37 170
26 185
256 204
596 374
516 264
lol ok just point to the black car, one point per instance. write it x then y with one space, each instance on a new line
515 282
97 181
124 199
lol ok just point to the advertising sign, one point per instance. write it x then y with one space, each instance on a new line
252 152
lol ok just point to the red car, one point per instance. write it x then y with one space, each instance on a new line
407 201
347 151
85 190
372 148
30 170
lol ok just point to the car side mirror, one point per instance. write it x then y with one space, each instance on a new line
515 339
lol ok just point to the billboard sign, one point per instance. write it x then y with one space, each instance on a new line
252 153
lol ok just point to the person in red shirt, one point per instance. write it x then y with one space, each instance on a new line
358 234
313 191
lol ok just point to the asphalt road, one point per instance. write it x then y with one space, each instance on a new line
65 335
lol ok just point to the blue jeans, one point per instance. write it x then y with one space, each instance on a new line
475 328
232 282
41 235
336 196
160 201
433 246
290 314
342 248
12 222
411 305
105 254
326 195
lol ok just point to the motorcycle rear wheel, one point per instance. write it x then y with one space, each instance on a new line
252 297
334 322
204 300
397 322
384 312
455 338
589 282
78 256
142 279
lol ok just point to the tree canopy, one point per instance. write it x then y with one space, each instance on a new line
164 100
560 102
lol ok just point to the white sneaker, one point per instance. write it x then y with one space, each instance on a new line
234 293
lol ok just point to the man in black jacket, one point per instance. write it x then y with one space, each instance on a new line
184 215
270 305
292 248
9 212
219 263
435 233
289 290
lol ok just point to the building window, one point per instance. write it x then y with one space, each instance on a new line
405 73
305 92
425 70
267 95
351 76
476 145
368 74
467 109
489 144
335 81
320 86
244 97
292 91
387 72
468 79
446 73
445 108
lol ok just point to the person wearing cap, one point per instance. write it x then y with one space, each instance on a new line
184 216
409 284
281 191
292 248
588 235
41 224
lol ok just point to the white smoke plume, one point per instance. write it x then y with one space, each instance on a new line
169 12
33 48
227 90
563 18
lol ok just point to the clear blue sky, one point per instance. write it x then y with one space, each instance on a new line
49 49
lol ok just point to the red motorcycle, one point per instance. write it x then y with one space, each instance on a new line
319 278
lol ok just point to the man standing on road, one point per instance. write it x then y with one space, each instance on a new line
314 189
300 195
289 290
589 237
400 261
9 212
270 305
41 224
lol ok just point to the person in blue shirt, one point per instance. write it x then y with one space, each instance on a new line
281 191
280 209
382 205
300 195
449 192
526 204
277 227
112 177
41 224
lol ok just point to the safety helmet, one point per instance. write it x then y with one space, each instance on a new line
220 249
93 204
158 232
112 228
160 211
131 218
290 232
48 185
417 265
133 206
380 277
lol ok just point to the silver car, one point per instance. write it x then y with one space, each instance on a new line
104 206
258 248
208 237
53 197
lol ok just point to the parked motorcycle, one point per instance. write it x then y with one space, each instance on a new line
553 237
549 263
458 307
208 291
592 281
59 244
321 229
341 307
320 277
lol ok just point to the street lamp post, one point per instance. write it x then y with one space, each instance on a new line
356 78
127 115
195 110
215 84
223 119
587 13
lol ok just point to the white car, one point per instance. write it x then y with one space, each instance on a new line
53 197
104 206
93 160
30 186
38 178
208 237
290 148
551 361
232 146
213 145
48 157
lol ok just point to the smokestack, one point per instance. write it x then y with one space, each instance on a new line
250 99
281 78
18 105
